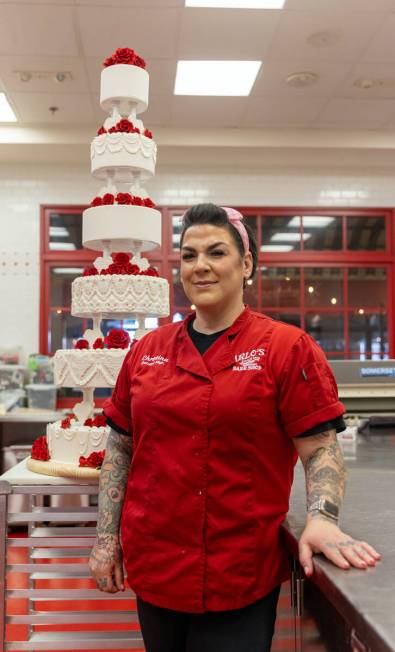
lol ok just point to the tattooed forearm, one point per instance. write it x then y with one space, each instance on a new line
325 470
113 479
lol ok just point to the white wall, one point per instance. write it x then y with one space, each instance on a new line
24 187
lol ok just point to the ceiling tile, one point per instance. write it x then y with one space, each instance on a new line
369 71
295 27
272 78
34 108
382 45
208 111
151 32
142 4
268 111
9 65
339 5
38 30
357 113
224 34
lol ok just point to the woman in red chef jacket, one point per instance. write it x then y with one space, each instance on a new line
207 419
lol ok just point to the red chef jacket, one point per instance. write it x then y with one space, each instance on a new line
213 458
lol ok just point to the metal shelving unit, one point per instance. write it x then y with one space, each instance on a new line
65 535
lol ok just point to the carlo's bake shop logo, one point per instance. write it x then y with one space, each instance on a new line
248 361
150 360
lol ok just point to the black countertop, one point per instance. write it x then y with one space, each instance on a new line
365 598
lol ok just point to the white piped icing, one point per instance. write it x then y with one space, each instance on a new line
68 444
87 367
123 150
120 294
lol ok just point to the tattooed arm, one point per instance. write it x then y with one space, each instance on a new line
323 463
106 558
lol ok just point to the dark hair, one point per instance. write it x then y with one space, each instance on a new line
213 214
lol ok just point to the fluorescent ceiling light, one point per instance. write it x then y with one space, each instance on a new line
6 112
276 248
289 237
67 270
311 221
216 78
237 4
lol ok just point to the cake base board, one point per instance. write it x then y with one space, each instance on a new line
61 469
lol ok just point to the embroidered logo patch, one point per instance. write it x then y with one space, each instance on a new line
151 360
249 361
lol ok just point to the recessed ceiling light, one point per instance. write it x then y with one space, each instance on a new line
6 112
216 78
237 4
301 79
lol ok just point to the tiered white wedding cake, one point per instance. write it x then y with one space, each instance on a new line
122 222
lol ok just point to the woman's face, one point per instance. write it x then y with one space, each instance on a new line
212 271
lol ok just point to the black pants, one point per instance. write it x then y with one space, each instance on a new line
249 629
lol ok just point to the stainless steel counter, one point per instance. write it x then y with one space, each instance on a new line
365 599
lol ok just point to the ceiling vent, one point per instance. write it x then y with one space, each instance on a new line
366 83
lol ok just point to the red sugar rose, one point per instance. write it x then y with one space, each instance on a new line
94 461
116 269
90 271
82 344
98 343
137 201
147 133
124 198
88 422
101 131
65 423
100 421
125 56
97 201
112 130
121 258
108 199
40 449
151 271
124 125
148 203
117 339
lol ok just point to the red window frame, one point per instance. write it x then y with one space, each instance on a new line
167 257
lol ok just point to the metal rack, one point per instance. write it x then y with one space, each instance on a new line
64 534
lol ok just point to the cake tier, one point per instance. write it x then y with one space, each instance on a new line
124 226
119 295
68 444
123 154
125 86
87 367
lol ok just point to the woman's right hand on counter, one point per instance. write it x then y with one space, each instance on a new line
106 564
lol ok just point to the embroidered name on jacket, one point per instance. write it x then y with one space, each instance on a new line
154 359
248 361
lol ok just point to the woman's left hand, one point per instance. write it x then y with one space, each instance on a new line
321 535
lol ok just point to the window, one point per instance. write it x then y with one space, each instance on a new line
328 271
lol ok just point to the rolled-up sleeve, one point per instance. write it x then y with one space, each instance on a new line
307 389
117 409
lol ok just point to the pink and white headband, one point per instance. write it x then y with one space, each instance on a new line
236 219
